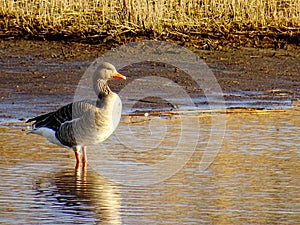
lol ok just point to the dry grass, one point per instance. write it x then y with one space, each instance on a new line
103 18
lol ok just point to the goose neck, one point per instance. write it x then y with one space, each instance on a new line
101 88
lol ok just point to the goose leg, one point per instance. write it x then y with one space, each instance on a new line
84 158
77 155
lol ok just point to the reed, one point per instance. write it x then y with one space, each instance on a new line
116 17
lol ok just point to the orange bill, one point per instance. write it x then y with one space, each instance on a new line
118 76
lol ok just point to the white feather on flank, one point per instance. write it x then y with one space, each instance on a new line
47 133
70 121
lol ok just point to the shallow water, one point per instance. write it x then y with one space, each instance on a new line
253 179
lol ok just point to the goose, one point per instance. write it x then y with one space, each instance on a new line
84 122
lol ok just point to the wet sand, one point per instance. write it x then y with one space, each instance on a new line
37 76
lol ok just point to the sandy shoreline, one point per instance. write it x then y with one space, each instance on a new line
37 76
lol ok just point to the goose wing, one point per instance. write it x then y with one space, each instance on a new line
54 120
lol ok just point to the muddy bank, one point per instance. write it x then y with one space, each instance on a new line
37 76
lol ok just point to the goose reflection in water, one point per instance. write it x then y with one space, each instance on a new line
82 193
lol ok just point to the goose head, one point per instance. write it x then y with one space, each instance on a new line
105 72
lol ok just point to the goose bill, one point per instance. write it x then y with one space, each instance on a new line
118 76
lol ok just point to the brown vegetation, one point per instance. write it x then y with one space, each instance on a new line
203 23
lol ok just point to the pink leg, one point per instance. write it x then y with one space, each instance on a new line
77 155
84 158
